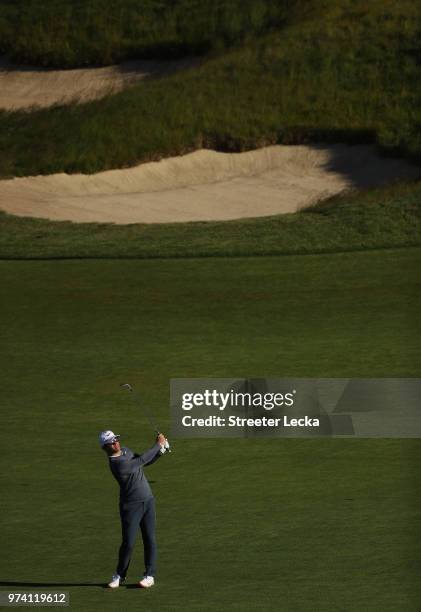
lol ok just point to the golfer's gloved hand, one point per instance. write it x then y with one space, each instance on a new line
162 440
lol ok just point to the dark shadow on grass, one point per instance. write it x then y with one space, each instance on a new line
147 67
366 166
156 68
19 583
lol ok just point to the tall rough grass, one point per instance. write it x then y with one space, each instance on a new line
351 75
64 34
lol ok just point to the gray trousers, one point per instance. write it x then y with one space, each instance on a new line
135 516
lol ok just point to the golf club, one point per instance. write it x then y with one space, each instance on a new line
139 402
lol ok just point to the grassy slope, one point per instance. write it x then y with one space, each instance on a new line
306 524
379 218
63 34
350 74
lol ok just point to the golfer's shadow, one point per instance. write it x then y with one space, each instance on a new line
18 583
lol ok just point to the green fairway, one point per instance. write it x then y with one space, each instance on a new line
242 524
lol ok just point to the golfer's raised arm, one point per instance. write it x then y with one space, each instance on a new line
154 453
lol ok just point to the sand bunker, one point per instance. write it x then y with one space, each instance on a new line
204 185
23 87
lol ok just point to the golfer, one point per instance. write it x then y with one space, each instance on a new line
137 503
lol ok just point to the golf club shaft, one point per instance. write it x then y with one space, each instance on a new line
137 399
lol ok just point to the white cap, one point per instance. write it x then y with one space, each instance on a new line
107 437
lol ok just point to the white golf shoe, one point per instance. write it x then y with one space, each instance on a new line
146 582
116 580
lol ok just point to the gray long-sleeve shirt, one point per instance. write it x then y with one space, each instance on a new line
127 469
